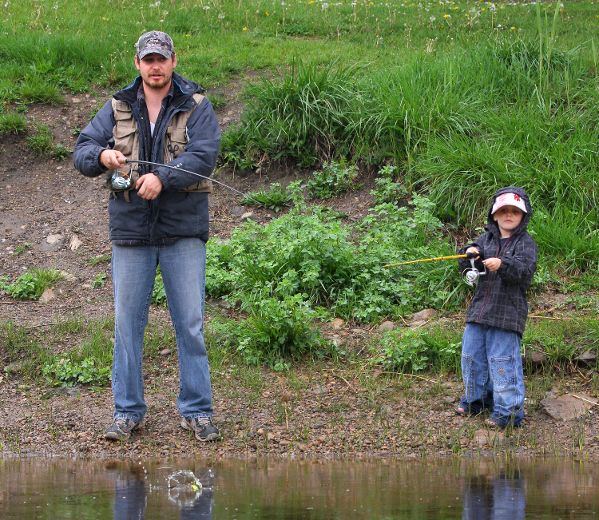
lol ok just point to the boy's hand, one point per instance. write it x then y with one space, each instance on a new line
492 264
473 251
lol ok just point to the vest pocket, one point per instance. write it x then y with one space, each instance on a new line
176 140
125 137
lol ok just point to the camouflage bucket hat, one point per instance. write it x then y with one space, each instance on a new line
155 42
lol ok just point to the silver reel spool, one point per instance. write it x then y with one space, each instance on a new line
472 274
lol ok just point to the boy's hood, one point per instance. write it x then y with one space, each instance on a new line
492 225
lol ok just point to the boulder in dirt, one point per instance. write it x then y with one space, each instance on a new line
568 406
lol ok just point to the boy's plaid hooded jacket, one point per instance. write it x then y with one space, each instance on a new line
500 297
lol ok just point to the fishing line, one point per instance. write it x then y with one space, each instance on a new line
150 163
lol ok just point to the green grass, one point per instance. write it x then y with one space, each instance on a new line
31 284
12 123
275 198
41 142
448 101
71 352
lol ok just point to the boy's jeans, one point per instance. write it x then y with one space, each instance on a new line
183 268
492 373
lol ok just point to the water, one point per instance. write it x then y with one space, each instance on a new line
268 490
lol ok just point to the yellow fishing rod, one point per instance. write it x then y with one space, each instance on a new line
471 275
434 259
423 260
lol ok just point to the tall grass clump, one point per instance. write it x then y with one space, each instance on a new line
417 350
12 123
569 237
303 118
562 341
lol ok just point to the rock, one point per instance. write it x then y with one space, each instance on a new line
567 407
248 215
237 211
68 276
47 296
424 315
588 357
14 368
54 239
387 326
337 323
165 352
486 437
75 243
52 243
535 357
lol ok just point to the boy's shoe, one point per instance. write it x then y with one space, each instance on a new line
202 427
120 429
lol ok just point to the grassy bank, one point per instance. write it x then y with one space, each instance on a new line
442 102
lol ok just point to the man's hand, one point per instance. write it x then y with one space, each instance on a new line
148 186
112 159
492 264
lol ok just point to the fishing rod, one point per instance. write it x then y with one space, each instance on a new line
434 259
176 168
471 274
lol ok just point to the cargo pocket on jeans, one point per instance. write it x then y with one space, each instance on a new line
502 369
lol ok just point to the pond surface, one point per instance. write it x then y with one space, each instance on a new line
268 490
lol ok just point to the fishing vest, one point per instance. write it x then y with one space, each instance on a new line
126 140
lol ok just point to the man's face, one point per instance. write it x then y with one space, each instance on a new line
155 70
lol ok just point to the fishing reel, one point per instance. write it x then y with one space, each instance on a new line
124 178
472 274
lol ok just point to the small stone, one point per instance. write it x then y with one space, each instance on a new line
68 276
424 315
14 368
165 352
75 243
337 324
54 239
535 357
387 326
248 215
588 356
47 296
52 243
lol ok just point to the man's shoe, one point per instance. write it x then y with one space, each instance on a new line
120 429
202 427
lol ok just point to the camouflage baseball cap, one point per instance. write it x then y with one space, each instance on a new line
155 42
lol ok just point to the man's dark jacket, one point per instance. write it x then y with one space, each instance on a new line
500 297
174 214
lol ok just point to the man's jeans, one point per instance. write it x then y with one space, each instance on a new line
183 267
492 373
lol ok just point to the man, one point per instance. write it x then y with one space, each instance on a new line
158 216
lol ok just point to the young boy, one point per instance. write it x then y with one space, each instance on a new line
491 360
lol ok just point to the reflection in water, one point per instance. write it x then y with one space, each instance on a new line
500 489
500 496
130 495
